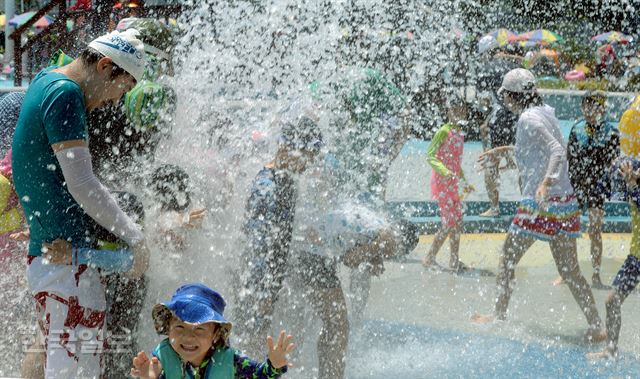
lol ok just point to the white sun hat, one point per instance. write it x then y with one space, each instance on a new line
518 80
125 49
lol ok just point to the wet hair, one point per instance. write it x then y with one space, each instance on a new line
594 98
170 186
305 135
90 57
131 205
455 101
525 100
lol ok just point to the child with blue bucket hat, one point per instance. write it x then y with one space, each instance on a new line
197 346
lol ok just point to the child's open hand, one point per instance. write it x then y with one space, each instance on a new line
194 218
145 368
468 189
278 352
628 173
58 252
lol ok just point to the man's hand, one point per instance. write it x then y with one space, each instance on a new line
278 352
141 257
58 252
145 368
21 236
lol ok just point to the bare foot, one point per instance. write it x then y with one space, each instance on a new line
482 319
600 355
558 281
428 262
460 268
596 283
596 336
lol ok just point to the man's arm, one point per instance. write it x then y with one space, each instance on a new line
95 199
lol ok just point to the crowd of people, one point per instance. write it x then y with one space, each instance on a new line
83 120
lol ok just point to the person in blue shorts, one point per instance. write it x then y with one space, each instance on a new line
594 144
268 228
60 194
628 277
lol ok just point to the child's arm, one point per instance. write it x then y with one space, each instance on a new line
273 367
61 252
437 141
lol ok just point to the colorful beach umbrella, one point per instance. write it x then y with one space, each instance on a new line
529 44
43 22
21 19
503 36
611 37
539 37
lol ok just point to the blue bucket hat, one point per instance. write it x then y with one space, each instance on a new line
194 304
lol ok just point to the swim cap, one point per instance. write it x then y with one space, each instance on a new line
125 49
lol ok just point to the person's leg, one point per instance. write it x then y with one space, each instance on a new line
596 219
359 289
318 277
514 248
33 362
331 306
258 293
454 246
491 182
436 245
614 320
625 282
70 317
565 255
125 297
73 338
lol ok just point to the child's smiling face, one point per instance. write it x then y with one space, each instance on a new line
192 341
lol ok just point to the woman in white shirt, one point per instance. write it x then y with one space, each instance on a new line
548 210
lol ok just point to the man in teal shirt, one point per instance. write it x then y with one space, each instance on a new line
57 188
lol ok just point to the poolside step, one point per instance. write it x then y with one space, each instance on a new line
474 208
477 224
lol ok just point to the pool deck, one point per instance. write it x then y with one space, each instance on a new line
418 322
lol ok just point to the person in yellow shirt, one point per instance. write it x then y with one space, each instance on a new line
629 128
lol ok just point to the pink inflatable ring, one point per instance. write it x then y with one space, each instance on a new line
574 75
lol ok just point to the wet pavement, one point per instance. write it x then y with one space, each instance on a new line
418 322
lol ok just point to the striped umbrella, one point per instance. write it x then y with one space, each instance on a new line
503 36
529 44
43 22
21 19
611 37
540 37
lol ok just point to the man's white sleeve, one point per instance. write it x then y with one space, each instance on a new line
93 197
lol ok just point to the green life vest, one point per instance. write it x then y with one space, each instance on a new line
220 365
148 103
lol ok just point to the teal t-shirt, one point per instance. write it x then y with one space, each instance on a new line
53 111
